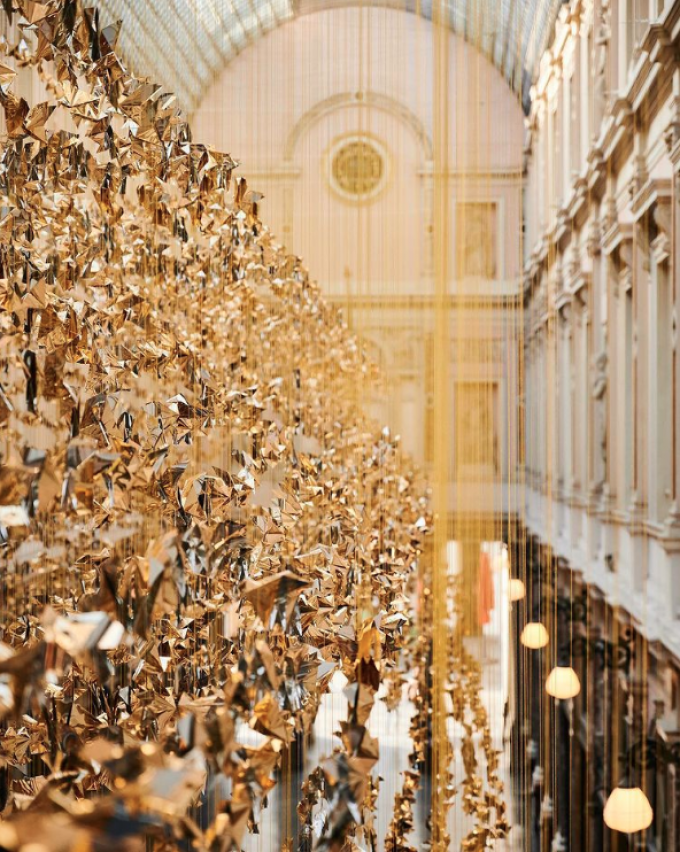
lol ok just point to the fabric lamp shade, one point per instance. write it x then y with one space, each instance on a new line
628 810
563 683
534 636
517 590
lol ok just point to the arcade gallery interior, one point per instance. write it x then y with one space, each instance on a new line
339 425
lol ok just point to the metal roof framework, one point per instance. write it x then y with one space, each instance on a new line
185 44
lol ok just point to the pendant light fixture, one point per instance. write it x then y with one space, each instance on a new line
563 683
517 590
534 636
628 810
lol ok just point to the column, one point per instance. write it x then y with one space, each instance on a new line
613 366
563 391
597 362
673 142
428 207
640 369
659 345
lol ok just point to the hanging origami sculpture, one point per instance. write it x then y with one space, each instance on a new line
198 527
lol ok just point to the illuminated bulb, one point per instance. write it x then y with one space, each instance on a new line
628 810
517 591
338 682
534 636
563 683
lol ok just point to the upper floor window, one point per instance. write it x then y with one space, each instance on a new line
636 23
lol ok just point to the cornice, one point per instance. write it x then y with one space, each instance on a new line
575 11
563 302
479 176
562 229
671 21
578 201
543 248
643 77
647 615
659 57
616 131
622 112
427 302
597 170
674 155
282 172
580 283
594 239
652 191
659 45
661 249
672 133
616 235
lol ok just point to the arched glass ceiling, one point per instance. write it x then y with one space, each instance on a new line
184 44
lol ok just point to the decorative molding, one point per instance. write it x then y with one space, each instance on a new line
361 100
653 617
661 249
472 177
357 167
563 306
597 171
651 192
381 302
580 285
622 113
578 203
646 95
562 226
283 172
618 234
594 239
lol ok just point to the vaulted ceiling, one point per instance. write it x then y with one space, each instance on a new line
184 44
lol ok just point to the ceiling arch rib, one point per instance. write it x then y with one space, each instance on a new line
184 44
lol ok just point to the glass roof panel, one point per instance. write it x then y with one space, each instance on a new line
164 38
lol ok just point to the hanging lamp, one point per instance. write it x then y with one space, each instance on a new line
517 590
563 683
628 810
534 636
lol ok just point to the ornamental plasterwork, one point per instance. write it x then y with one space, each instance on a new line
358 168
661 245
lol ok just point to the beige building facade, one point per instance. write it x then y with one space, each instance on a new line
602 356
